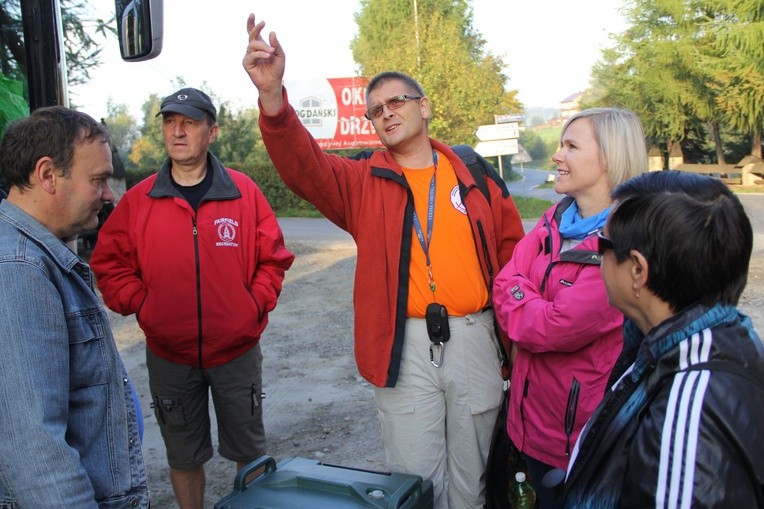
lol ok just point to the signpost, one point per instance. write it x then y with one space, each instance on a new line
497 132
521 157
497 147
503 119
498 140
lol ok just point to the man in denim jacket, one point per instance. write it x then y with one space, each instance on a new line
68 428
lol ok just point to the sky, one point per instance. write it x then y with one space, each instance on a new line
549 47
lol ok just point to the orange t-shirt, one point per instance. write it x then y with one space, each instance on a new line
456 272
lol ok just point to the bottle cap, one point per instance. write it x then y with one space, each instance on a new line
520 477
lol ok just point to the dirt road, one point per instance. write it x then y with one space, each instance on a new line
316 406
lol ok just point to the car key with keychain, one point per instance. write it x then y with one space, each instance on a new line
436 318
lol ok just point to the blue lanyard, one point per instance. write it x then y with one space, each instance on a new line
425 242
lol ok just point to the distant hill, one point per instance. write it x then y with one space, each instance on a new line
538 115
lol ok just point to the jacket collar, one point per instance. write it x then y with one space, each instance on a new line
40 235
223 186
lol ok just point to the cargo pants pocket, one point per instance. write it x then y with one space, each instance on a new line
168 411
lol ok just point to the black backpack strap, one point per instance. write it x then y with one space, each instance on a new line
480 168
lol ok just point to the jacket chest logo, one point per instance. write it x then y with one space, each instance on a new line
456 200
227 229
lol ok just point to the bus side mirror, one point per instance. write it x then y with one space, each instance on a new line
139 28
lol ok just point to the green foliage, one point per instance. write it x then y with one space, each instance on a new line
135 175
682 63
283 201
551 135
148 150
83 38
237 136
541 145
12 103
441 50
531 208
535 145
122 126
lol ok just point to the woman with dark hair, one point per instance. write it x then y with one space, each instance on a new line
680 425
551 301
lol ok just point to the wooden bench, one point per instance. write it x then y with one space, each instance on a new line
730 174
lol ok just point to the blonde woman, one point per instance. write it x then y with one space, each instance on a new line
551 300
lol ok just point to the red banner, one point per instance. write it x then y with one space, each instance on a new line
333 111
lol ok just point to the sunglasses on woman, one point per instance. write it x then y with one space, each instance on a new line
603 243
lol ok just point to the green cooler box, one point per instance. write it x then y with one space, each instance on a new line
300 483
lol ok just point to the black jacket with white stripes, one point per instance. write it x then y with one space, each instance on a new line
683 423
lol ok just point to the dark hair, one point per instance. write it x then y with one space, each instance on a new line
692 230
382 77
48 132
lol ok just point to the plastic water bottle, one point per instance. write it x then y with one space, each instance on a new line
520 493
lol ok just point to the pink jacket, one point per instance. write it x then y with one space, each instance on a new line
555 310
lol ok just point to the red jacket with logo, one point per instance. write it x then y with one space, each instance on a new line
370 199
201 284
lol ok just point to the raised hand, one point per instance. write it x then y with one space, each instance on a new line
265 65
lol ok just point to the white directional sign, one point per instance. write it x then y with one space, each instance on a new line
503 119
497 148
497 132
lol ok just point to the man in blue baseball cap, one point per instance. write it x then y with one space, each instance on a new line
196 253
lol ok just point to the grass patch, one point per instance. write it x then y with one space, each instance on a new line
298 212
550 134
531 208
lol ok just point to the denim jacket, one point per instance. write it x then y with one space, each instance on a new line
68 428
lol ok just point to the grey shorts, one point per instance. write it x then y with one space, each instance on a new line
180 397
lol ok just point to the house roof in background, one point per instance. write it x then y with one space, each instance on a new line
572 98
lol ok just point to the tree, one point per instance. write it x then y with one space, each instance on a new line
737 32
654 70
239 142
82 36
122 126
683 64
463 81
535 146
148 152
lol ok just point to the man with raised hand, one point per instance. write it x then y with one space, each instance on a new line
429 244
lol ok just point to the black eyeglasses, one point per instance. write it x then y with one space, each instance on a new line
392 104
603 243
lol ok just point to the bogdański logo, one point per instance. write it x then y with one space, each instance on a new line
226 232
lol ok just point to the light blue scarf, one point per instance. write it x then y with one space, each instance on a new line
573 226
